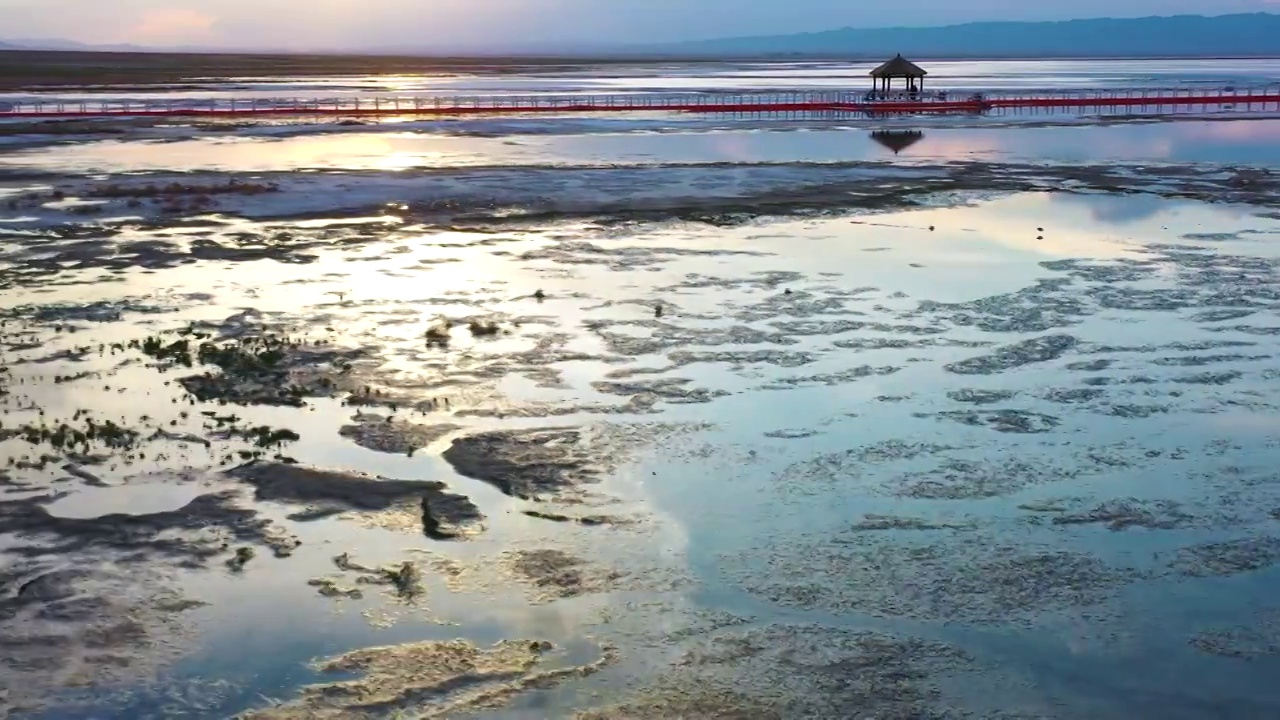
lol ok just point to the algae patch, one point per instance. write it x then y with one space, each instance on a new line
1228 558
329 492
784 671
1038 350
431 680
961 579
1126 514
389 434
252 369
555 574
529 464
1259 639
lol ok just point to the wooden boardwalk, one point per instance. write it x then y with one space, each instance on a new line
1261 99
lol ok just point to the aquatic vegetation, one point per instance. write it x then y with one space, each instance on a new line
832 379
90 435
1044 507
282 544
981 397
483 328
265 436
1125 514
328 492
232 186
1131 411
406 578
878 523
959 479
97 591
242 557
178 351
555 574
1073 395
91 616
69 127
736 358
397 436
1258 640
330 588
1228 558
526 463
587 520
672 389
449 517
963 579
409 677
1006 421
1210 378
345 563
438 335
255 369
1038 350
786 671
1091 365
180 535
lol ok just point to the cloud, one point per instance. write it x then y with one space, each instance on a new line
446 23
173 25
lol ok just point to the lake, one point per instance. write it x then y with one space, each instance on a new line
645 416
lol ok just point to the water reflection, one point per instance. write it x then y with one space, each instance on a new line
1246 142
897 140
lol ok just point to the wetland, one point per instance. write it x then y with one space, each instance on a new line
644 418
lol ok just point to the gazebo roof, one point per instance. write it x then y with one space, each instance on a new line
899 67
897 140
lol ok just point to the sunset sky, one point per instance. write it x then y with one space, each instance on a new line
372 23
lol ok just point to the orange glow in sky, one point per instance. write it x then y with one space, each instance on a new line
424 24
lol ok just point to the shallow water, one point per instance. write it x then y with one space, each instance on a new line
677 77
1252 142
767 424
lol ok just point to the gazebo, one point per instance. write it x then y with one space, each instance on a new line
898 67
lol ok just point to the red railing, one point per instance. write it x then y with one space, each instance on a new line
1259 98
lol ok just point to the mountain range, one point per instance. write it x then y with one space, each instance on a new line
59 45
1237 35
1245 34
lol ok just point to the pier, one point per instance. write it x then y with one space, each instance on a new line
1151 100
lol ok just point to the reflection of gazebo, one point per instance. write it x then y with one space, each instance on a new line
897 140
898 67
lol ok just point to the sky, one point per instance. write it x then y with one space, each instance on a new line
370 24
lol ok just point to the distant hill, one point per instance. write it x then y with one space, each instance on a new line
1246 34
1239 35
64 46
